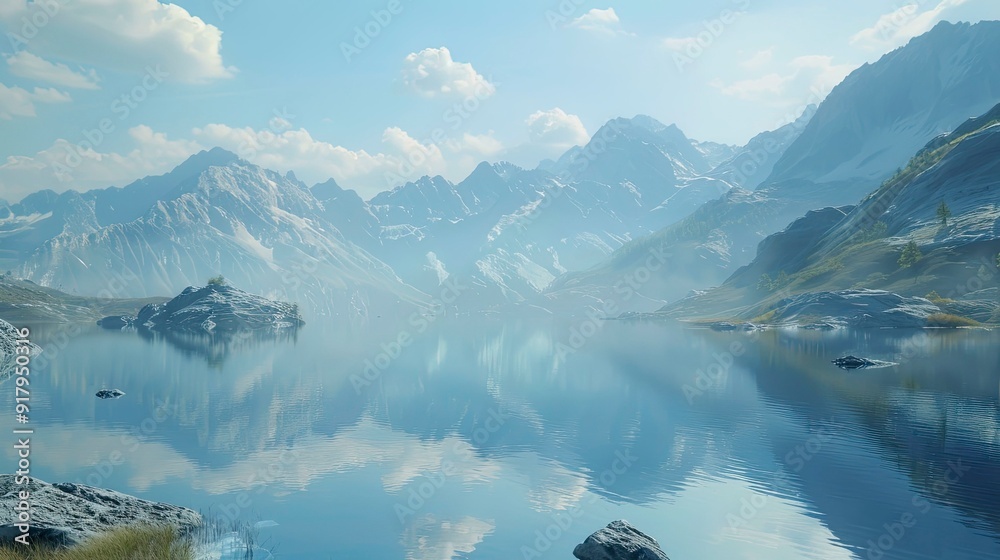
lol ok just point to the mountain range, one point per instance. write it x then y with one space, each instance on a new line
573 233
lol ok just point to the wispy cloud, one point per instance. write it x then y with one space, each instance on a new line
604 22
34 67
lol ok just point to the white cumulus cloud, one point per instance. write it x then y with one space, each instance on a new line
556 128
125 35
279 147
433 73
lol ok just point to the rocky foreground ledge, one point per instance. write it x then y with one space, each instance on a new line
209 310
67 514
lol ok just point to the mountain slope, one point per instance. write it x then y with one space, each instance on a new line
855 140
859 247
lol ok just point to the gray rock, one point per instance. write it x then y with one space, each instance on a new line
216 309
67 514
619 541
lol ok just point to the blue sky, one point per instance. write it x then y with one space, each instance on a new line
433 88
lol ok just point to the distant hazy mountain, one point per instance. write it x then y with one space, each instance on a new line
752 164
214 214
510 231
866 129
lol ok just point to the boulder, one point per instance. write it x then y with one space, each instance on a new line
67 514
619 541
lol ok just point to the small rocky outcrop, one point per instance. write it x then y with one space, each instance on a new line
619 541
212 309
110 394
67 514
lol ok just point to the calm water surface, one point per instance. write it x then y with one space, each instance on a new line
516 439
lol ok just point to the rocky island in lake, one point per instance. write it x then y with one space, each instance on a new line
213 309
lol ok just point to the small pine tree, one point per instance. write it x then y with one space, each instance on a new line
219 280
781 280
764 284
943 213
910 255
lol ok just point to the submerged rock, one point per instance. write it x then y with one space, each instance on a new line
852 362
67 514
218 309
619 541
110 394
